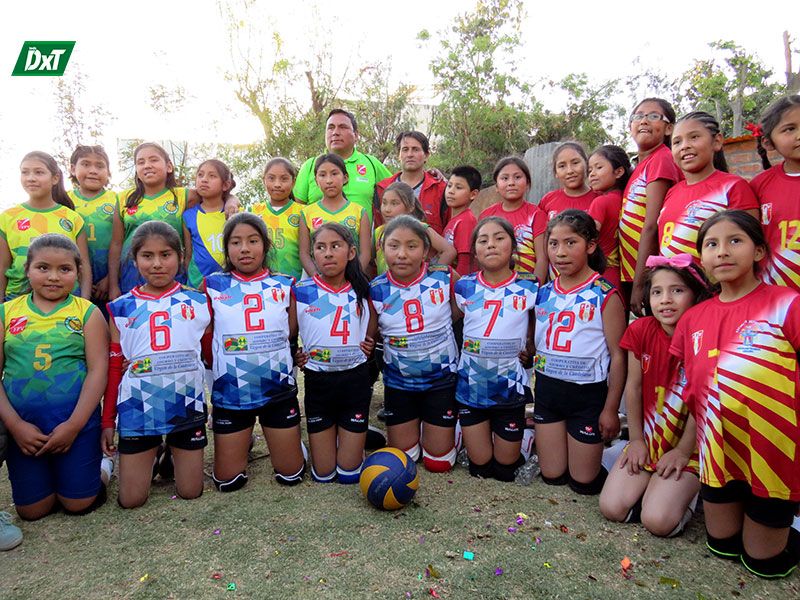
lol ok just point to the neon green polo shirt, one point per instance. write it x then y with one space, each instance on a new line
363 172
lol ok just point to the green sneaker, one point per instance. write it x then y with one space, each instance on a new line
10 534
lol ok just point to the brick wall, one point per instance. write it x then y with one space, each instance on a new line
743 160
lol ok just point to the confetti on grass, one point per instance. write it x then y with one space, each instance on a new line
498 571
469 555
626 563
669 581
144 577
231 587
433 572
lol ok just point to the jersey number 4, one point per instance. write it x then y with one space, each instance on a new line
564 323
337 331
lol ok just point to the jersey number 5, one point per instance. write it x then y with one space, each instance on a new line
159 331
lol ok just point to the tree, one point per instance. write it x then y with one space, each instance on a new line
792 78
79 123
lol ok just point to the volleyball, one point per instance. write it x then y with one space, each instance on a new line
389 479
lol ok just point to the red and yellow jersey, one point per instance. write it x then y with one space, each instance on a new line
20 224
742 388
686 208
558 201
779 196
658 165
663 378
529 222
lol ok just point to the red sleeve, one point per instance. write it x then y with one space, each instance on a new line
601 209
632 338
115 357
462 236
741 196
538 222
545 201
662 166
791 326
677 346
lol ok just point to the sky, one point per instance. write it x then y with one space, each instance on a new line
123 48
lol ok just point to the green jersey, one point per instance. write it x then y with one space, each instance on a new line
98 218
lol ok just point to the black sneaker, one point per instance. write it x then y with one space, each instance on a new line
375 439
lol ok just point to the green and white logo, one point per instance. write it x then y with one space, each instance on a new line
43 58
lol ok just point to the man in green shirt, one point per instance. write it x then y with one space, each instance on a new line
363 170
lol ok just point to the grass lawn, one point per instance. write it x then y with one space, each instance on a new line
324 541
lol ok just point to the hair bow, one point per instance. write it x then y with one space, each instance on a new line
754 129
679 261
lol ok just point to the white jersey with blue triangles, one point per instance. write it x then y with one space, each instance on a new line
332 326
252 357
496 322
163 389
570 342
416 322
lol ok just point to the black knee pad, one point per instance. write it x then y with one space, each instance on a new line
776 567
291 479
506 473
635 513
99 500
483 471
592 488
234 484
729 548
560 480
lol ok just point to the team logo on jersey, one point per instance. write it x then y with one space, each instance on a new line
692 210
139 367
522 233
223 297
437 296
74 324
187 312
542 312
320 355
316 222
697 341
398 342
235 344
171 207
586 311
449 236
358 418
132 210
66 224
748 331
766 213
681 375
278 294
361 169
551 214
519 302
294 220
312 309
23 224
130 322
472 346
645 363
350 222
17 325
107 209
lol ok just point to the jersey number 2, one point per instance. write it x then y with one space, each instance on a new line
254 304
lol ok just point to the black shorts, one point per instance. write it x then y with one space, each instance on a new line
770 512
273 415
435 407
579 405
186 439
338 398
508 422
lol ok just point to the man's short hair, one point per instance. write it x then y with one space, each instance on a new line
417 135
349 115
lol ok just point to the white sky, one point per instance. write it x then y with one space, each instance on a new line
123 48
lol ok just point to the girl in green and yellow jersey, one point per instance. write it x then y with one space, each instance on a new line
281 214
48 209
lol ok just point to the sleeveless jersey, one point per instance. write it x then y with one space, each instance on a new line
349 215
163 389
98 217
20 224
207 252
165 207
252 358
283 226
420 351
45 360
330 326
570 342
495 327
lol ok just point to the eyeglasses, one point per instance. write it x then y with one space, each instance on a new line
652 117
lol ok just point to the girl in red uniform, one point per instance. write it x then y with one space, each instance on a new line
570 165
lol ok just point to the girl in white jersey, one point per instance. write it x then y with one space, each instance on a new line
254 321
414 302
493 386
580 368
158 327
337 324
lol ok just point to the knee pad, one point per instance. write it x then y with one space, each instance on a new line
375 439
506 473
291 479
771 568
635 513
439 464
588 489
98 501
560 480
323 478
234 484
413 452
483 471
729 548
527 443
349 477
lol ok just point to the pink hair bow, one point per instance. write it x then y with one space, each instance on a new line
679 261
754 129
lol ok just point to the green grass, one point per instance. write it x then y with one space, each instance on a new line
324 541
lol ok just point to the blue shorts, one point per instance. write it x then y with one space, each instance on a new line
74 474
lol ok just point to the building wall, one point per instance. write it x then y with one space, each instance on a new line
743 160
